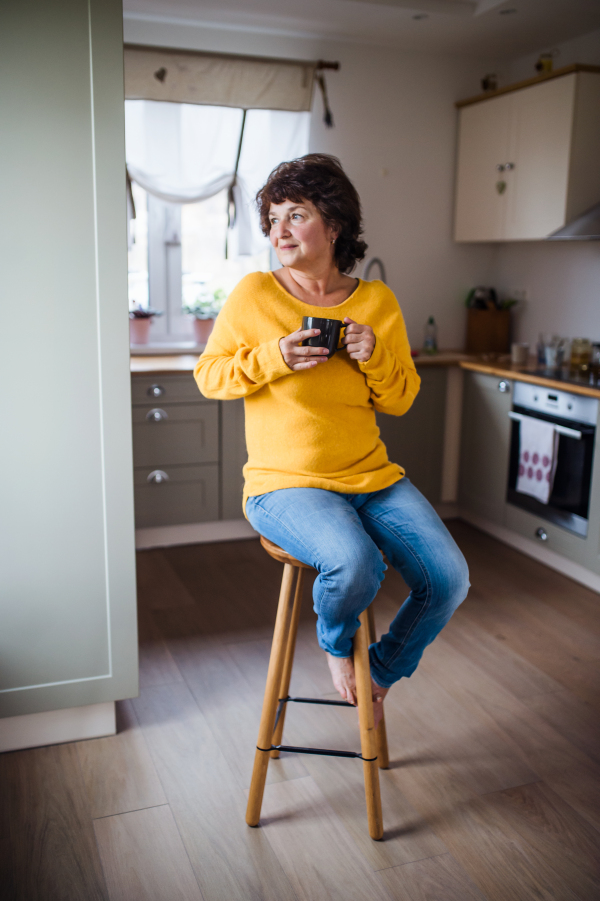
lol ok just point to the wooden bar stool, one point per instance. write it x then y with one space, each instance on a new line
373 742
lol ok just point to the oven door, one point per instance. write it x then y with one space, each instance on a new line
569 501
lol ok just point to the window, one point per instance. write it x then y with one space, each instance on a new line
182 152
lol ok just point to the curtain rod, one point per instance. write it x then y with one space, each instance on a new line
319 64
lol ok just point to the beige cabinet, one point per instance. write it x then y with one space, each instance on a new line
484 447
528 159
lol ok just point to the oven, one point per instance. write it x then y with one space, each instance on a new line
574 417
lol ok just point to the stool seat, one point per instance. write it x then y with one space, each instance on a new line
374 754
282 556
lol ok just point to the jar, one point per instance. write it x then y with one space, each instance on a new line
581 355
595 361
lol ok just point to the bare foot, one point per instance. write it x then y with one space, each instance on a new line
344 680
379 694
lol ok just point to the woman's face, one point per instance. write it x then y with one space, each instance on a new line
300 237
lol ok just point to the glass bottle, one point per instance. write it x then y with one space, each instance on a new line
430 342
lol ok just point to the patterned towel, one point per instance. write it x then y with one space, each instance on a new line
538 454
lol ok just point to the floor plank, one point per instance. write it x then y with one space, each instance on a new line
314 849
118 771
144 858
566 841
231 861
436 879
46 828
156 663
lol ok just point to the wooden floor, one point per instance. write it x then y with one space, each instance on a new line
493 790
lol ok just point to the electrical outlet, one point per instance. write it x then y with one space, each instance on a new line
519 294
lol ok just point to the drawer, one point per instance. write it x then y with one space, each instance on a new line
182 494
175 435
168 389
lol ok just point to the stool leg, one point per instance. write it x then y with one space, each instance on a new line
368 742
289 658
383 757
269 710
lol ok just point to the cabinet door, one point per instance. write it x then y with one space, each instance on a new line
233 458
416 440
176 434
540 147
485 446
182 494
483 144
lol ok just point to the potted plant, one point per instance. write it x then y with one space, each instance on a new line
140 320
205 310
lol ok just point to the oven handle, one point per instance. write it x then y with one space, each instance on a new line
561 429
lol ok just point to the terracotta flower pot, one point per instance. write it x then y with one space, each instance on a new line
139 330
202 329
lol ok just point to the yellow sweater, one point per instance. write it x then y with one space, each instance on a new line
313 428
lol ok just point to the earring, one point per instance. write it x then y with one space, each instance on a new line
333 242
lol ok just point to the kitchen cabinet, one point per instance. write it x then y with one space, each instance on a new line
527 159
233 458
485 446
176 452
416 440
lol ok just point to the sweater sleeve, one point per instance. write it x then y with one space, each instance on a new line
229 368
390 372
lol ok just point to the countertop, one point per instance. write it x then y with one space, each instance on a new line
174 364
150 364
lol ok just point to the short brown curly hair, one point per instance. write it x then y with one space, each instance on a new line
319 177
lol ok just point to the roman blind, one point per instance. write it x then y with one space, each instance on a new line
219 79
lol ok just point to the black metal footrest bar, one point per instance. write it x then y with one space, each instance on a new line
283 701
325 752
315 701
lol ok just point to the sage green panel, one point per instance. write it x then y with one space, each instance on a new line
68 632
485 446
166 389
185 433
182 494
233 458
416 440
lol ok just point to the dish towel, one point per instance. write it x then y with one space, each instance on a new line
538 454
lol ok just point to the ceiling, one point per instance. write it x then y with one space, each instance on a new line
502 28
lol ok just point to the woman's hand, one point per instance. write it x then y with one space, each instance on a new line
298 357
359 340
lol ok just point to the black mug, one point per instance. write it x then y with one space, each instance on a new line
330 333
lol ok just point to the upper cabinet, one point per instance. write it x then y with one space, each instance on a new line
528 158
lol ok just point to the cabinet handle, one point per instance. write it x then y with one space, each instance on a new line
541 534
509 166
156 415
155 390
503 387
157 476
500 167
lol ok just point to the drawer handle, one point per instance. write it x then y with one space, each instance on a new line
155 390
156 415
503 387
157 476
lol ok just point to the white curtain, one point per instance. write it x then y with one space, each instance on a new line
184 153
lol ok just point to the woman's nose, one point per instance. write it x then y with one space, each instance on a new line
281 230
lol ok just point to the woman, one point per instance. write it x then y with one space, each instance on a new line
318 481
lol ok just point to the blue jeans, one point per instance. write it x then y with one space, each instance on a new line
340 536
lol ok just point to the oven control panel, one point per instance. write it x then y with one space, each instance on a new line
562 404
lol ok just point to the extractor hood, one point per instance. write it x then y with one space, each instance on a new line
585 228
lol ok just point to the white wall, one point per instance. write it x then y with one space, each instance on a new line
562 280
393 111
